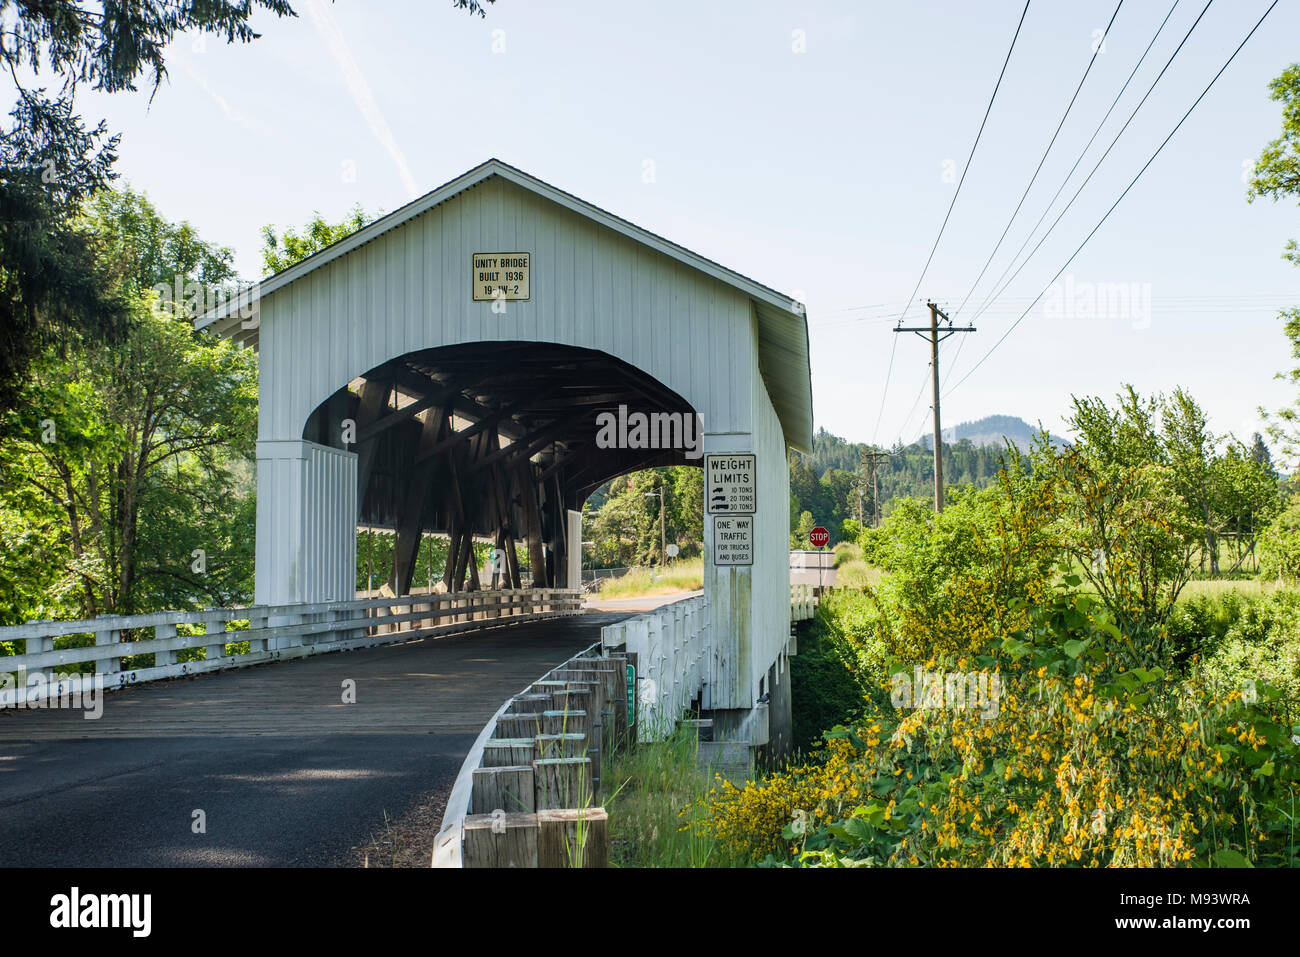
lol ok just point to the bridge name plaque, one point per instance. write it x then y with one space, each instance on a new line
502 276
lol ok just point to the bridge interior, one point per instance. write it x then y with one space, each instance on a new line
495 440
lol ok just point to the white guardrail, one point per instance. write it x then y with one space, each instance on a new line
671 644
274 632
803 601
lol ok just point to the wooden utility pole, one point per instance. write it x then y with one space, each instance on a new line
933 333
663 541
871 461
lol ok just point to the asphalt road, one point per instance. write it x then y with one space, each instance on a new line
285 773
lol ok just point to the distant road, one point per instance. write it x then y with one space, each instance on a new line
638 604
812 567
285 772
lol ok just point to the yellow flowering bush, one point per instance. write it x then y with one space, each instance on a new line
1085 764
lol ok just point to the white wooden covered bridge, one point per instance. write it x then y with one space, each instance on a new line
442 370
468 365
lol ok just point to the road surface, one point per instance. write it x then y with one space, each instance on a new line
284 772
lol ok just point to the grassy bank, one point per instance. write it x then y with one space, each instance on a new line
684 576
656 791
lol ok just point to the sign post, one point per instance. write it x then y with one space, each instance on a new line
819 538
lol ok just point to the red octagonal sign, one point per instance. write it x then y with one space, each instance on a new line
819 537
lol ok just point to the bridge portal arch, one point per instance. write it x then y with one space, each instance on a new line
482 341
502 441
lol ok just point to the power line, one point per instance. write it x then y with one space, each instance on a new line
1010 306
966 169
917 401
1084 152
1144 168
1097 166
1043 159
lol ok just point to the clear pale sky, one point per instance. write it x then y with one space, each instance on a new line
820 173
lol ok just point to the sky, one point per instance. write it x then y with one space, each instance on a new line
815 148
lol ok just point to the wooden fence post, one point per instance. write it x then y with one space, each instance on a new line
508 789
573 837
500 840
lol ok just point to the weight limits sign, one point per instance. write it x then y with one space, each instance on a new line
502 276
732 484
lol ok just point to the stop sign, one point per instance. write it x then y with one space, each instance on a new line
819 537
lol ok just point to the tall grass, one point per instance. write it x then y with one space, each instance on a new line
1217 587
686 575
846 552
856 574
657 792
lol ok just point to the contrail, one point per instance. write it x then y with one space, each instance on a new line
232 114
359 88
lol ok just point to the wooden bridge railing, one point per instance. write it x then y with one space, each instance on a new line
273 632
803 601
528 792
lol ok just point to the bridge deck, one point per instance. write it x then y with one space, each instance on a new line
285 772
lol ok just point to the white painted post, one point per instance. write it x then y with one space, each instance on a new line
107 666
216 647
161 632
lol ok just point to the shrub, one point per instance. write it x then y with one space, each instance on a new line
846 552
1279 546
829 682
957 579
1261 644
1088 763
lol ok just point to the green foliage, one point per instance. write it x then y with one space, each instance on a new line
1260 643
122 464
1277 175
1199 624
1279 546
654 792
829 677
375 559
625 526
799 535
1277 171
282 250
834 484
680 575
954 578
51 288
846 552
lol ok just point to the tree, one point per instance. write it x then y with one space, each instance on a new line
1245 497
132 466
280 251
1277 175
50 163
799 537
1277 171
1189 450
625 528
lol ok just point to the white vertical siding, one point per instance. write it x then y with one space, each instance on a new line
329 524
409 289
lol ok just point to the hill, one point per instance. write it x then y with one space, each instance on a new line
991 430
